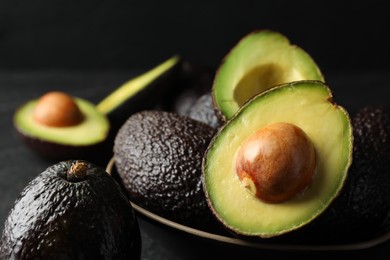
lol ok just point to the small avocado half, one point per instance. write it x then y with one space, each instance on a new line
72 210
259 61
57 142
86 130
280 161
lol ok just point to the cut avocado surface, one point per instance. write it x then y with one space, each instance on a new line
259 61
93 129
307 105
134 86
146 91
65 127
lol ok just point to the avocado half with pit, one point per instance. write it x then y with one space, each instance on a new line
59 126
259 61
280 161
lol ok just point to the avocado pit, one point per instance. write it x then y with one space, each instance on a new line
57 109
277 162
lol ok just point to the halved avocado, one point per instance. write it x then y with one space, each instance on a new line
142 92
325 126
90 133
57 142
259 61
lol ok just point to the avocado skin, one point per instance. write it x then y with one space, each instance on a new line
203 111
367 192
57 219
195 80
158 157
362 209
55 152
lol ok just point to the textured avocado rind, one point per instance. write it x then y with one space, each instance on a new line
158 157
362 210
203 110
59 219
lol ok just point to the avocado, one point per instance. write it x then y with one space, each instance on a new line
158 158
361 211
203 111
72 210
60 127
145 91
260 60
195 80
280 161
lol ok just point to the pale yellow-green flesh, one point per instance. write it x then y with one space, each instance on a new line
133 86
93 129
327 125
258 62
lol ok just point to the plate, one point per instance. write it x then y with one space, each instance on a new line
166 228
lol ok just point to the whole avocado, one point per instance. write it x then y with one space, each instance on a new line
366 198
158 157
203 110
72 210
362 209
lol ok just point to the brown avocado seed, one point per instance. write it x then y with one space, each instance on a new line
57 109
277 162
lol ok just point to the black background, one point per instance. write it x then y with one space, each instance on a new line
89 47
102 34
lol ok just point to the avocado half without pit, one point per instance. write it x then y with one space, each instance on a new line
280 161
259 61
59 126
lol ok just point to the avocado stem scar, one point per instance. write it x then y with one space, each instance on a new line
77 172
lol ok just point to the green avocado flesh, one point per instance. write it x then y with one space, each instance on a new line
92 130
133 86
261 60
306 104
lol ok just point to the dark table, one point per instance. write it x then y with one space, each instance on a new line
19 165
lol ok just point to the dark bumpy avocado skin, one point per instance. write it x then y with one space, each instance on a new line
55 152
195 80
158 157
203 111
368 189
57 219
362 210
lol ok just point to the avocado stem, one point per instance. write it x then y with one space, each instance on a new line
77 172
